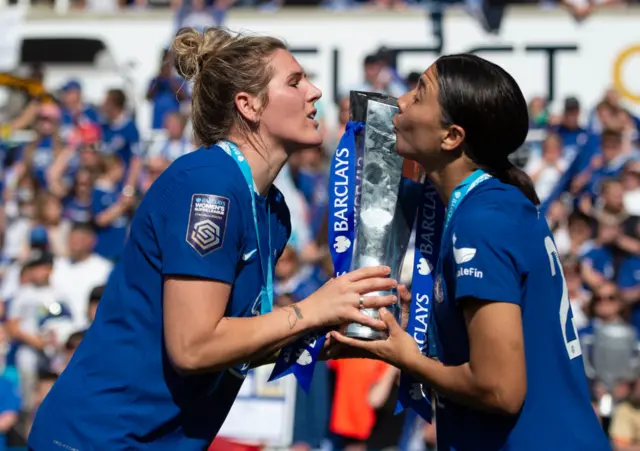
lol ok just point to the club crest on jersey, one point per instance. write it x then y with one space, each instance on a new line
207 222
438 289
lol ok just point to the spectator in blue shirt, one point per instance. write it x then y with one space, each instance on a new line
37 156
598 261
573 135
110 209
74 110
121 137
165 92
607 162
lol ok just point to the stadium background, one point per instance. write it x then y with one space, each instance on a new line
89 104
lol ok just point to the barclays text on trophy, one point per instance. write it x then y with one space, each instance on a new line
383 219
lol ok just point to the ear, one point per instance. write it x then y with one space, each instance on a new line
453 138
249 106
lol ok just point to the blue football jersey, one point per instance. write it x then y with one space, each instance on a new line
499 248
111 238
121 138
120 391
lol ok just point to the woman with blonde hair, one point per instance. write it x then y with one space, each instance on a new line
188 309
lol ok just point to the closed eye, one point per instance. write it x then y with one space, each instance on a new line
295 78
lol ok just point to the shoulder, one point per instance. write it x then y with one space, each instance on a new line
100 262
207 170
205 183
131 125
631 263
22 293
495 210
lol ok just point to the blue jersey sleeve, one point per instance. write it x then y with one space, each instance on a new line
629 273
202 229
484 258
9 397
98 204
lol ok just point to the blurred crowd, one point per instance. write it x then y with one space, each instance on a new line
70 190
197 13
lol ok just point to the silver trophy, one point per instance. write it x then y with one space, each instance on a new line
385 208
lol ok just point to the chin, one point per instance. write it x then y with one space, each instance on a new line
309 141
404 151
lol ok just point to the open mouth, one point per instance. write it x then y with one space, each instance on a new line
312 115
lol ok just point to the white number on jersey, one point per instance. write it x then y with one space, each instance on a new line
573 347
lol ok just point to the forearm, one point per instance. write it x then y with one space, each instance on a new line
270 354
580 181
381 390
55 175
235 341
629 244
7 421
28 339
134 172
625 447
459 384
592 277
109 215
630 295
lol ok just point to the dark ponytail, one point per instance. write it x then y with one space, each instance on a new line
488 104
515 176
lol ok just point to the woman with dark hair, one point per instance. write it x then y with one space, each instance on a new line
509 373
188 309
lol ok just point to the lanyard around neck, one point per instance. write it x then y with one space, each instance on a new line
267 271
478 176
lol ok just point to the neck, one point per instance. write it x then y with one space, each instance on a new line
265 162
449 176
79 258
117 117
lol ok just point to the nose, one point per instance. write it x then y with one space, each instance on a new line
402 101
314 93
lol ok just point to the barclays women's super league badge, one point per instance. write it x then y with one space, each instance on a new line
207 222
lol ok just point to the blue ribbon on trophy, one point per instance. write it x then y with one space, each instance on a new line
300 357
429 227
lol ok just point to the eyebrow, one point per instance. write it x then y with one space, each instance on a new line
421 84
296 75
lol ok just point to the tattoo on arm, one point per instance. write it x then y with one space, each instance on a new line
294 315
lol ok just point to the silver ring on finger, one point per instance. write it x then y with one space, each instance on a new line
361 302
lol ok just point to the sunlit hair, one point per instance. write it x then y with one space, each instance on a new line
221 65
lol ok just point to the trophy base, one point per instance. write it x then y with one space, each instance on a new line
361 332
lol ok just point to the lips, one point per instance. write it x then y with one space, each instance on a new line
312 115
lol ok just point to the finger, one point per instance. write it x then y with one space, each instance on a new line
374 284
361 344
365 320
378 301
389 320
405 295
366 273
